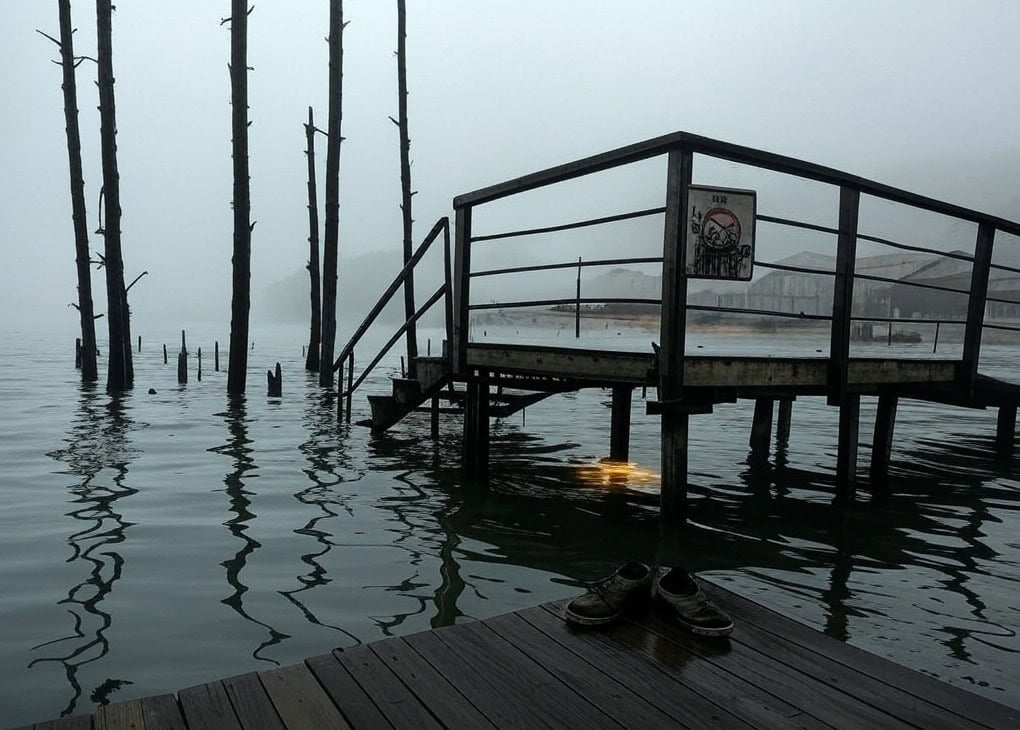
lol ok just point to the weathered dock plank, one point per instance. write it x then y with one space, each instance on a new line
964 706
610 696
502 709
531 669
162 711
443 699
808 375
354 703
251 703
78 722
507 670
120 716
300 700
680 701
396 702
207 707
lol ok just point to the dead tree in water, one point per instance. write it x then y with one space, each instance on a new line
120 371
237 368
331 239
405 182
69 62
312 360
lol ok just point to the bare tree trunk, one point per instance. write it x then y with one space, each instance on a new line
237 369
119 372
331 240
89 369
312 361
405 184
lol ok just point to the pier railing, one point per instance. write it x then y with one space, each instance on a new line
679 149
346 356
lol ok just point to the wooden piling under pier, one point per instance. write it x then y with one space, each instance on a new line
881 448
530 669
1005 429
619 427
761 427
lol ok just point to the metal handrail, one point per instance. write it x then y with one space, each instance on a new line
443 224
347 353
733 153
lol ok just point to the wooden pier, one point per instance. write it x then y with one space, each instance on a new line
496 379
530 669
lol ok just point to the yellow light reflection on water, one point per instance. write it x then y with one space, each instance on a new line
608 473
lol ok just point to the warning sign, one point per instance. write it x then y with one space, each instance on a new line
720 233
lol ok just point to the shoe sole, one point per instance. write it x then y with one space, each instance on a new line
708 631
578 620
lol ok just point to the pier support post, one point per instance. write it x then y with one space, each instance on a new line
1005 429
673 497
761 427
673 337
881 445
476 426
619 429
846 450
435 418
785 420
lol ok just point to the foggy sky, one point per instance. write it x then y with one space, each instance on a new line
889 90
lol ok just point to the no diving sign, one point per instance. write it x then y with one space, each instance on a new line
720 233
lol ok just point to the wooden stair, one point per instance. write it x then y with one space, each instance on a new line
434 380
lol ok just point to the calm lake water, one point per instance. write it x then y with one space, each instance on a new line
153 542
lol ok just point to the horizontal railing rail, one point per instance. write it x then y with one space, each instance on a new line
570 226
556 302
791 223
733 153
567 265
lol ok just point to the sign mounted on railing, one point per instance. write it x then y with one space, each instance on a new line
720 233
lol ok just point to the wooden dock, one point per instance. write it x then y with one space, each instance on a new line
529 669
498 378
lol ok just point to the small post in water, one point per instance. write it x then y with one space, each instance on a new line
164 354
275 382
888 341
139 343
200 364
216 356
935 344
403 372
182 361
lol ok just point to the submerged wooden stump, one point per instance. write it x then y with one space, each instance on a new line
275 382
182 361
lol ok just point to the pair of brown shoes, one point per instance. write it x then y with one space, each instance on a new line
630 589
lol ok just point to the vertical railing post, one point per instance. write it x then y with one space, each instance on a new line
843 293
672 335
448 298
340 394
577 304
976 305
462 292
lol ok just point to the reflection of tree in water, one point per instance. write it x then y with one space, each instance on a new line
422 526
96 441
328 460
239 449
